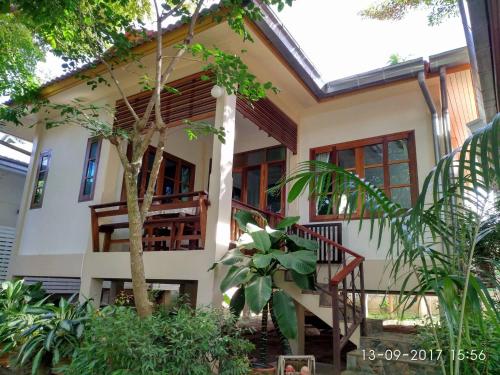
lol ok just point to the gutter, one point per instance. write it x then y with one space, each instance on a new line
445 114
435 118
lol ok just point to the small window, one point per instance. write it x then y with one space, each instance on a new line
89 174
388 162
41 179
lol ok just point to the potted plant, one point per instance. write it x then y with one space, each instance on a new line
253 260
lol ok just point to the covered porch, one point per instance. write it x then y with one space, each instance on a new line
200 178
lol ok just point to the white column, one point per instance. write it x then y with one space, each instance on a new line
91 288
220 195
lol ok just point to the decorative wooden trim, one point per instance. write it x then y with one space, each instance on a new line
194 102
81 196
46 153
359 162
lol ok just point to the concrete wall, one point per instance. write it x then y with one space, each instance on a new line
11 191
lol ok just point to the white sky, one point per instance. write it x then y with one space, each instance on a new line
342 43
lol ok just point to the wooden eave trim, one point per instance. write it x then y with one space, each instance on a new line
170 38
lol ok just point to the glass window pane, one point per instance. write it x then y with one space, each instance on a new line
275 154
375 176
45 162
185 179
253 187
170 167
347 158
274 174
323 156
398 150
237 181
93 150
90 169
324 206
402 196
399 174
87 187
151 160
373 154
168 187
256 157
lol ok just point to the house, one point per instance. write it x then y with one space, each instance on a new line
12 177
389 125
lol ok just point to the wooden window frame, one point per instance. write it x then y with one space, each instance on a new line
141 186
46 153
264 177
88 197
359 167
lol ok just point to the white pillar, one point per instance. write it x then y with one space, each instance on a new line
220 196
91 288
298 345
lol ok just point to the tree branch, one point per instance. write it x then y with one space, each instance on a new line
117 84
187 41
121 153
153 176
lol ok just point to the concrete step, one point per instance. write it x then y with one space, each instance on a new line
383 341
357 361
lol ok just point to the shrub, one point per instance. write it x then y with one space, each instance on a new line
175 342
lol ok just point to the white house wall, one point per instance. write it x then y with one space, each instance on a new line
11 191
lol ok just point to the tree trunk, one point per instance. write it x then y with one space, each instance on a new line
262 359
141 299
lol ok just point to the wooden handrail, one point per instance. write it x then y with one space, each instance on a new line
337 279
159 227
155 198
337 282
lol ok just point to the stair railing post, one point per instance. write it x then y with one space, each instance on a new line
363 302
335 328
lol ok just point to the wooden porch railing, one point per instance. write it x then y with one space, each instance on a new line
174 222
345 276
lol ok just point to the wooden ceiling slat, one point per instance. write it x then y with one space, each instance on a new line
195 102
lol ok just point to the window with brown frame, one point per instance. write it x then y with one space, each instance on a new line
388 162
176 175
41 179
254 173
89 175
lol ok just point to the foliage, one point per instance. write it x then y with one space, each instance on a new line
180 341
54 334
397 9
258 254
17 302
435 241
484 340
20 54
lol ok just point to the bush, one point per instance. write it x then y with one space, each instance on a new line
176 342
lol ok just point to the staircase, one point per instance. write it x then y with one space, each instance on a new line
387 344
339 298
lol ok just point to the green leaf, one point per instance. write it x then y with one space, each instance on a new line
297 187
234 277
286 316
260 237
288 222
258 293
305 282
304 243
237 302
302 261
231 258
262 260
243 218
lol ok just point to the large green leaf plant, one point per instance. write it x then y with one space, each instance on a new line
253 261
